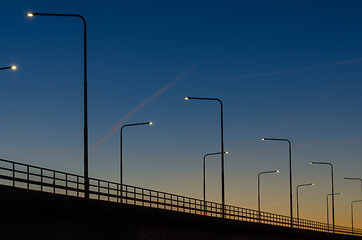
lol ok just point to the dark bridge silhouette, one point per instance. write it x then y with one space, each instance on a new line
128 206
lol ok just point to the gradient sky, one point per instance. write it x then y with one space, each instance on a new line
283 69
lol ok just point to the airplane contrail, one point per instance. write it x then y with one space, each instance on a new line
142 104
297 69
14 116
343 141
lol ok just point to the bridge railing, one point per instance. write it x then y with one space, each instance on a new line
46 180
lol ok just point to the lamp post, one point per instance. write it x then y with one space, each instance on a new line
326 163
120 151
301 185
13 67
266 172
352 211
86 178
351 178
290 174
204 176
330 194
222 148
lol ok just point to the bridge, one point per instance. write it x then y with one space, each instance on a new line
40 203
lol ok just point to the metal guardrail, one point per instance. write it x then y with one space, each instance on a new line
46 180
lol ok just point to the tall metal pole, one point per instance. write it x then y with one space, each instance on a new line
290 175
352 211
330 194
204 177
222 150
259 196
327 163
86 178
290 184
298 206
328 211
332 197
352 215
204 184
222 160
85 111
301 185
121 162
274 171
121 152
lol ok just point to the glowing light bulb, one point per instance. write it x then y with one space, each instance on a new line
186 98
13 67
150 123
30 14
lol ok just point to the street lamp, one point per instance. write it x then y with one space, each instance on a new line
352 211
301 185
222 148
266 172
326 163
330 194
351 178
204 175
290 174
120 151
13 67
86 178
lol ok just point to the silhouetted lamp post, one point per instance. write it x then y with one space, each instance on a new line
290 174
301 185
330 194
86 178
120 151
266 172
222 148
13 67
326 163
351 178
204 175
352 211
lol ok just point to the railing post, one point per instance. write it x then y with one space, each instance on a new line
99 188
13 174
143 198
126 196
157 200
171 197
53 182
108 190
122 192
118 197
183 203
177 204
41 179
150 198
27 177
77 186
66 184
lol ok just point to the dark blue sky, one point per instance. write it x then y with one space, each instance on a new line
289 69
